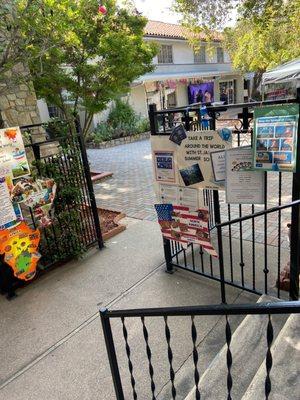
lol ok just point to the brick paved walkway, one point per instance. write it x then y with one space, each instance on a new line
131 188
131 191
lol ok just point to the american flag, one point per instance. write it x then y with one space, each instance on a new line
180 224
164 212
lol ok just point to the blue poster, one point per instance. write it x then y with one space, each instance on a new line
275 138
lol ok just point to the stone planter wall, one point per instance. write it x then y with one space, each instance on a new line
18 104
117 142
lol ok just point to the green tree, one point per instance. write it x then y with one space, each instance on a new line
266 33
92 59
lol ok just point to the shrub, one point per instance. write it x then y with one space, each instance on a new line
122 121
122 115
102 133
142 125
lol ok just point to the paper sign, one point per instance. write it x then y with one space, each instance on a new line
179 195
218 161
12 152
243 185
180 224
275 138
164 166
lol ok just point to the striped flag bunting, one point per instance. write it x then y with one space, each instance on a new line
180 224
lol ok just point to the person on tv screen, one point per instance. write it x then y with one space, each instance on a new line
207 97
199 97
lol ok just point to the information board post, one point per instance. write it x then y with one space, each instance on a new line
152 119
168 256
295 226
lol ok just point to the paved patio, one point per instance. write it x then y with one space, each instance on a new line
131 188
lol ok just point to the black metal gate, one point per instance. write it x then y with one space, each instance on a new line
252 241
76 225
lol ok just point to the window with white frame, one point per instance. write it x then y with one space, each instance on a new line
165 55
220 54
200 55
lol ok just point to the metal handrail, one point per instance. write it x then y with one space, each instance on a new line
257 214
287 307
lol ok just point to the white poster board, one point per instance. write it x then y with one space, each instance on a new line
12 152
192 160
243 185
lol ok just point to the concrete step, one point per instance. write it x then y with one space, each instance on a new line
208 347
285 372
248 348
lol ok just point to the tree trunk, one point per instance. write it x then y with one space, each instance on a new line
256 93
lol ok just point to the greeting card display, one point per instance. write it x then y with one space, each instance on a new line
39 195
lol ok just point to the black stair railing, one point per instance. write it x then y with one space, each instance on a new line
294 254
192 312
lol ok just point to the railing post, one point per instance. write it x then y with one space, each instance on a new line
295 226
168 256
220 245
217 215
89 183
111 352
153 119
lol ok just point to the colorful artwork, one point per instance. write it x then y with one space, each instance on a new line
275 138
39 195
180 224
12 152
19 246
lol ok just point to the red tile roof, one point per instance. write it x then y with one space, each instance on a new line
172 31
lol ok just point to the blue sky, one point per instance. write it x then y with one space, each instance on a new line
158 10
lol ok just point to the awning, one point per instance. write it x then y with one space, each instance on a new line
157 77
284 73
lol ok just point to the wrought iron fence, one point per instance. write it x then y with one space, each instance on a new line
76 225
143 316
258 246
